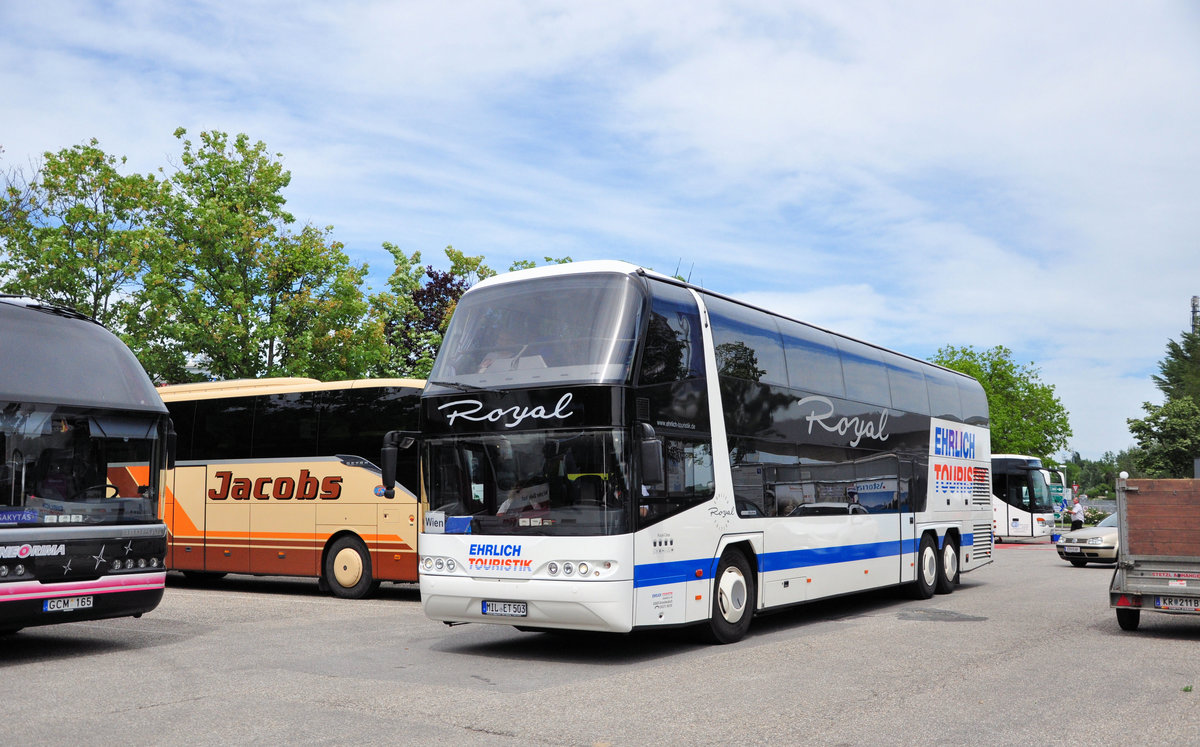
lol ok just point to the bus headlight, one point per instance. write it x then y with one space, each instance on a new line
552 567
439 564
583 569
568 569
427 563
450 564
3 571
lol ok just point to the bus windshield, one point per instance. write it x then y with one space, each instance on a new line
1039 492
66 465
570 329
552 483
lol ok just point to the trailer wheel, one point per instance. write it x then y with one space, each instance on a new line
348 569
948 570
1128 619
927 570
733 599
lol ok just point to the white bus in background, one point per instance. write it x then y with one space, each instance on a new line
606 448
1022 504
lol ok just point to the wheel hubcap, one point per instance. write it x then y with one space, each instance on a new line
929 566
950 562
731 595
347 568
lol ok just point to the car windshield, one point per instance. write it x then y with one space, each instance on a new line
70 466
569 329
1108 521
546 483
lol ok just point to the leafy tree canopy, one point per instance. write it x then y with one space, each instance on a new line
1026 416
74 232
1169 437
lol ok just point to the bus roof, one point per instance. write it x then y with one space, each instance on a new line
626 268
279 385
58 356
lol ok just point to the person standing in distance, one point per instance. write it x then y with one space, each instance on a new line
1076 515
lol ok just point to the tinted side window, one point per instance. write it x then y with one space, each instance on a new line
689 480
747 341
864 373
285 425
183 415
354 421
907 387
673 351
974 401
943 395
812 359
224 428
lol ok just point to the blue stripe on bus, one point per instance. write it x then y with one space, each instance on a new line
674 572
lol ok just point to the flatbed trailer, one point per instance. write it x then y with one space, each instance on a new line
1158 560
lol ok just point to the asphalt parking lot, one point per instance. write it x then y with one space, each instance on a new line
1025 651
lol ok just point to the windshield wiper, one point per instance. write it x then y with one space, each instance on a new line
468 387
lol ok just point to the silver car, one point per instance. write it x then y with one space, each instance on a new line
1096 544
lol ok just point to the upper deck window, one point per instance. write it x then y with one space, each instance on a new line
553 330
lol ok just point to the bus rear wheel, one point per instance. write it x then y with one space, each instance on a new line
927 569
733 599
348 569
948 570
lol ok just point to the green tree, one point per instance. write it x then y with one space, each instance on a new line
1169 437
74 233
233 291
1025 415
416 307
1179 371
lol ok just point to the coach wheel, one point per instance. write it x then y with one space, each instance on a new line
1128 619
927 569
948 570
733 599
348 569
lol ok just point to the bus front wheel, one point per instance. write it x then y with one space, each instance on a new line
927 569
948 570
348 569
733 599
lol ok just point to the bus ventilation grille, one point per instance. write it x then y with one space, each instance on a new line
983 541
981 490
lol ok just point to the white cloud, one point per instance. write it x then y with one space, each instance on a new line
918 175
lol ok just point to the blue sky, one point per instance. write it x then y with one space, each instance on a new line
916 174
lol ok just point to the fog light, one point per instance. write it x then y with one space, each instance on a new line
583 569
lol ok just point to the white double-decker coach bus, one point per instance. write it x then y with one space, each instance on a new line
605 448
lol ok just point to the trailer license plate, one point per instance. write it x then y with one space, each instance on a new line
1186 604
505 609
66 604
